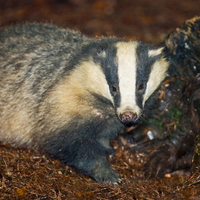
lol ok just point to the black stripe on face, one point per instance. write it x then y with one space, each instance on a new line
144 64
108 61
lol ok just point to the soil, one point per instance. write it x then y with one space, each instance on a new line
28 174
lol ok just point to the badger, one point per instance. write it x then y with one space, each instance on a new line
69 95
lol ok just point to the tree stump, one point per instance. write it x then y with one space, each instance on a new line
167 135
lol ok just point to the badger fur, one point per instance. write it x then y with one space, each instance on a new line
69 95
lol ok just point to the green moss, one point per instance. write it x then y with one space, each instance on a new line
174 114
156 123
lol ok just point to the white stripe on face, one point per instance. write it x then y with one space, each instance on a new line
157 75
127 67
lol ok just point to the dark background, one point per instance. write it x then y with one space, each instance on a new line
149 21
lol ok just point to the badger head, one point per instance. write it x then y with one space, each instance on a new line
126 73
133 72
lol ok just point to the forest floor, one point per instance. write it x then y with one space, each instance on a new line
28 174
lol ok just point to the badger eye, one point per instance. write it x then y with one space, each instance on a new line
141 87
114 89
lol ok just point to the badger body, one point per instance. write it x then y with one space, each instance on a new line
69 95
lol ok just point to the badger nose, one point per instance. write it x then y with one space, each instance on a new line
128 117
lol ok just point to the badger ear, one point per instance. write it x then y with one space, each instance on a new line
155 52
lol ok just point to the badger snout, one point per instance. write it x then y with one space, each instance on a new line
128 117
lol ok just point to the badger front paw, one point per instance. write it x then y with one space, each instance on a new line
103 172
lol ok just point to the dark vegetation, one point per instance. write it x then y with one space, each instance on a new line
28 174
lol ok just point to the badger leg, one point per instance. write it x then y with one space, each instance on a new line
87 152
92 160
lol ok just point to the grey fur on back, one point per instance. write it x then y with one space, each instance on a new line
45 49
